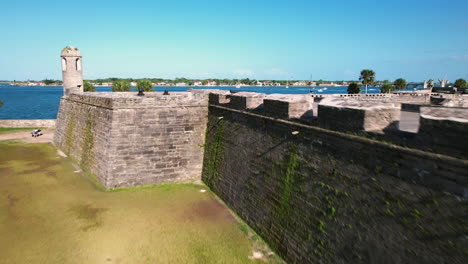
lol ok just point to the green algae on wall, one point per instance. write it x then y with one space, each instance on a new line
87 154
70 136
214 152
288 185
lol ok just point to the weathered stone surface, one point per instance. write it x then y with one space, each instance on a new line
355 115
72 72
219 97
289 106
319 196
126 140
444 130
450 100
246 100
33 123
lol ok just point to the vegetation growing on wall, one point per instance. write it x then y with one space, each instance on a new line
87 154
289 180
330 208
70 137
214 151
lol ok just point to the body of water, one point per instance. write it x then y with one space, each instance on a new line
42 102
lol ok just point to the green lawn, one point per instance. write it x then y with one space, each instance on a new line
4 130
50 214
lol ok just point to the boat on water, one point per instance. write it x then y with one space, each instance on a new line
238 86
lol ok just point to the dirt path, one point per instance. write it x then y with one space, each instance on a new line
25 136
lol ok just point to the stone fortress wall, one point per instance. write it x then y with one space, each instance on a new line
313 192
317 195
126 140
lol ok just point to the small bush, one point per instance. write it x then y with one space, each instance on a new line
121 86
145 85
88 87
354 88
460 83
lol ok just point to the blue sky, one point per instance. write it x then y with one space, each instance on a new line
258 39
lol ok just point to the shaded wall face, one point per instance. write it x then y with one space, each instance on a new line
444 136
320 196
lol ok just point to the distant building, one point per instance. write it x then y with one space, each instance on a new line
328 84
299 84
198 83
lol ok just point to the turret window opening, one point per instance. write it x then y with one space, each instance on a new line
78 64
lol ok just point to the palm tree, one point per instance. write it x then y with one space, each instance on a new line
367 77
121 86
400 83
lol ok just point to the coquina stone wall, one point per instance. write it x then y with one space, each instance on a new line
32 123
125 140
320 196
444 130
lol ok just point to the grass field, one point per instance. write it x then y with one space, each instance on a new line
50 214
4 130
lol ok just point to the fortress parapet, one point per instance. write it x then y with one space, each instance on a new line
355 115
443 129
289 106
246 100
219 97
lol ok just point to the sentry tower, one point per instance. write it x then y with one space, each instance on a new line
72 73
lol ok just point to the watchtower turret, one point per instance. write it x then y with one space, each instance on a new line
72 73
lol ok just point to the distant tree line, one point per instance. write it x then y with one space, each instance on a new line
367 78
244 81
50 81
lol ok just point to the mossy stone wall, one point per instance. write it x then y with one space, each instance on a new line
318 196
83 133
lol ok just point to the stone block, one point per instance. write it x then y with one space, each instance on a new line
220 98
355 116
289 106
444 129
246 100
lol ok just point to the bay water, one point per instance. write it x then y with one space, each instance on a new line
42 102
